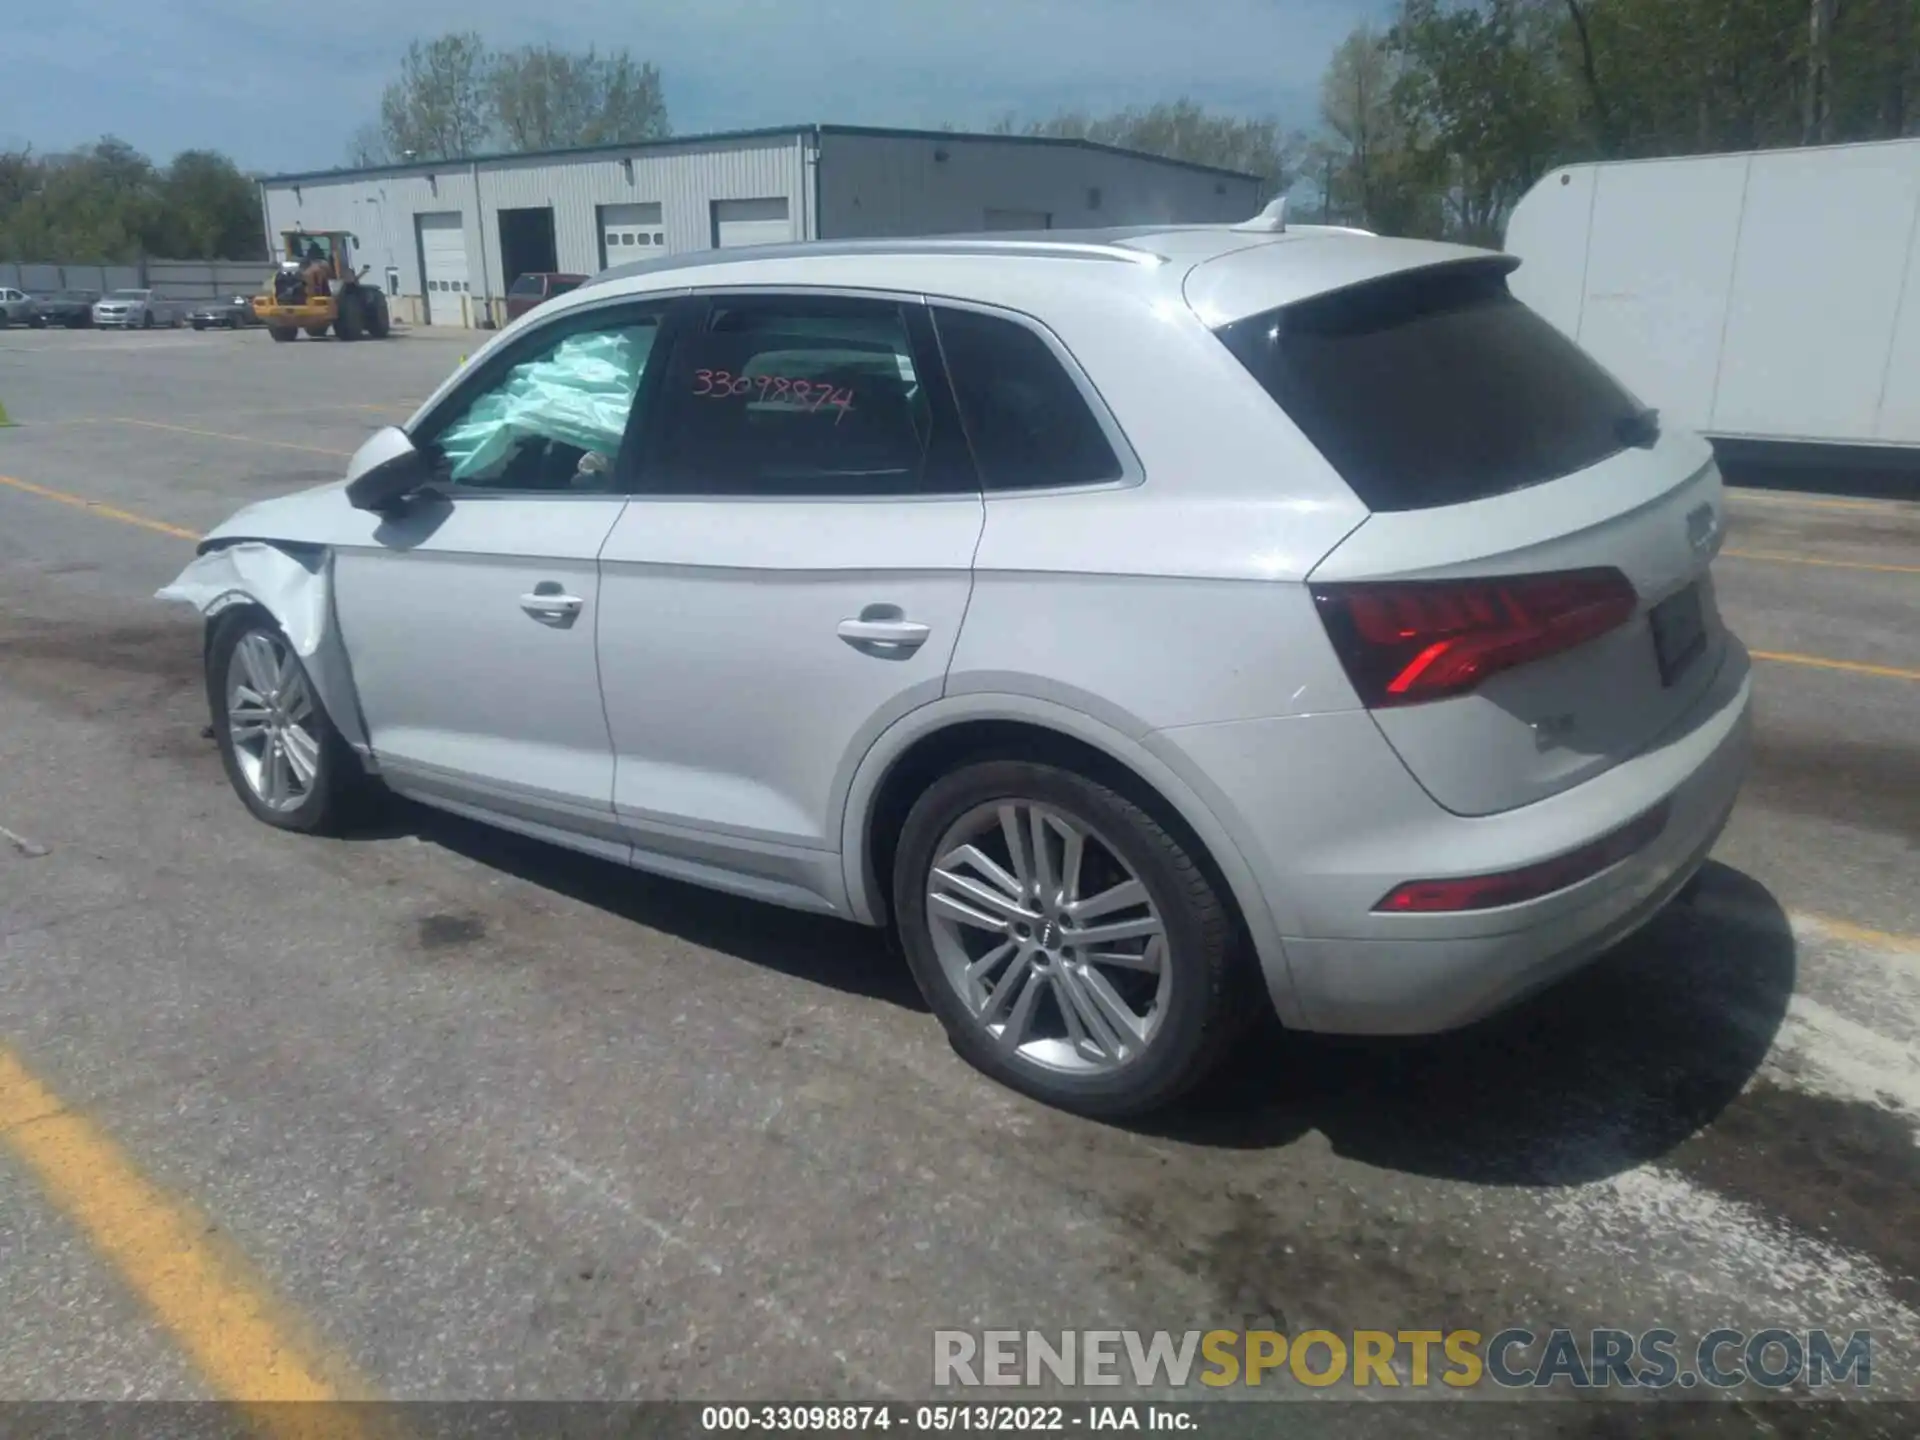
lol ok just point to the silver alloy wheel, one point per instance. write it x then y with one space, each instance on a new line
270 719
1048 936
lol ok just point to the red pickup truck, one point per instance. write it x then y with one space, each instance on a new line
536 289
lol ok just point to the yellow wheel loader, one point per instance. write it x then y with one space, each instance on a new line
316 288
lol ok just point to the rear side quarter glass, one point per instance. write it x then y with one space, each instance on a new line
1436 387
1025 418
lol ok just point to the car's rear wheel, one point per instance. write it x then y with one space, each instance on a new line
282 753
1069 943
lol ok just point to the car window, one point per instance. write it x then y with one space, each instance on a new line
525 285
791 396
1435 387
1027 421
551 414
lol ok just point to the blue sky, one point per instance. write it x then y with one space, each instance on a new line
182 74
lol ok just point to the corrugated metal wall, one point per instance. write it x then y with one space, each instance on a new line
869 185
683 179
163 275
895 185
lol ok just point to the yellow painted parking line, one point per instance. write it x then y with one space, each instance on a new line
208 1298
96 507
1782 557
1820 662
1849 933
228 435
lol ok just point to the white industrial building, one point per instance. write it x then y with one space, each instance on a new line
447 238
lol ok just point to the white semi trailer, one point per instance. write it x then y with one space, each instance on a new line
1772 296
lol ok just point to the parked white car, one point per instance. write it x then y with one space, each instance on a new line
17 307
1140 622
136 310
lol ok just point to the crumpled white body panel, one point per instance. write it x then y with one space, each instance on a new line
298 592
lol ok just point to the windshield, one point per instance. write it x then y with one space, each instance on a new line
128 295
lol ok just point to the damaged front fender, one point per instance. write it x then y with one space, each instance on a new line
293 584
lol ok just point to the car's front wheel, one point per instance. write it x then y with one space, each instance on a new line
282 753
1072 947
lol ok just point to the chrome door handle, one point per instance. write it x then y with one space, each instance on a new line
551 604
908 634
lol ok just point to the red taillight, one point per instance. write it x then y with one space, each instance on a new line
1407 641
1485 892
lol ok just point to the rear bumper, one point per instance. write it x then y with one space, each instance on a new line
1331 821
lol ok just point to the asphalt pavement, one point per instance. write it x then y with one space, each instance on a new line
438 1113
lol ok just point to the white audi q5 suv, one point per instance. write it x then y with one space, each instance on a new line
1146 624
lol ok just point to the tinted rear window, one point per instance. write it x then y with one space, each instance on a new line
526 285
1435 388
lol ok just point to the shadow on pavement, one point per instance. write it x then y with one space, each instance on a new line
1609 1069
815 948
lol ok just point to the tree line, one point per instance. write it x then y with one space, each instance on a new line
1434 124
109 204
1438 123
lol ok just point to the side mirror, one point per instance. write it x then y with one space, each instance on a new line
385 471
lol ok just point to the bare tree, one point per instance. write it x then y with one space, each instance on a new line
437 109
1356 101
546 98
1817 127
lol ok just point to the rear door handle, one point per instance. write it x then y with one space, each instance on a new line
908 634
547 605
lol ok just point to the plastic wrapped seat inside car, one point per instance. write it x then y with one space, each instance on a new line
580 395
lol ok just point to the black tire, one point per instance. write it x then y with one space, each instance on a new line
199 325
146 320
1206 1000
348 325
283 333
379 322
340 787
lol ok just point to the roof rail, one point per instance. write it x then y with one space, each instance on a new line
1024 246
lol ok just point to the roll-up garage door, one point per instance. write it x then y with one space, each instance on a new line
443 267
630 232
751 222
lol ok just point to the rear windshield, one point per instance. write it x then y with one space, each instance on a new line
1436 387
526 285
